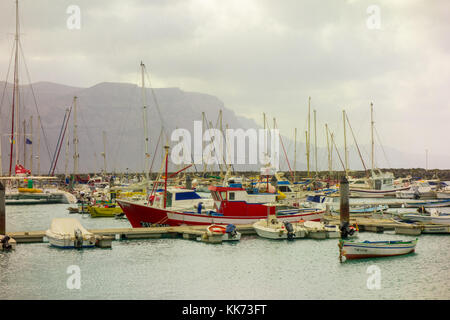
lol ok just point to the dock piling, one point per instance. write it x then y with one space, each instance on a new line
2 209
344 213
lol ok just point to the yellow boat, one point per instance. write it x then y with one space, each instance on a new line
104 212
29 190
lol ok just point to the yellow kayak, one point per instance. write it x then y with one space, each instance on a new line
104 212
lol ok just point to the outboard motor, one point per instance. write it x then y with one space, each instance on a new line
346 230
5 243
78 243
290 230
231 230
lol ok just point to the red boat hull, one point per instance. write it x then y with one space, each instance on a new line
144 216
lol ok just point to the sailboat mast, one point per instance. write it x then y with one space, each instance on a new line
24 144
371 125
66 164
31 146
307 152
39 147
308 134
104 152
15 100
75 138
345 144
295 153
315 142
328 149
1 159
144 106
265 136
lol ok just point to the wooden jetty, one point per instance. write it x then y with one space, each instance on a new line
105 236
185 232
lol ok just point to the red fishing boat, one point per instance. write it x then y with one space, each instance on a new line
232 205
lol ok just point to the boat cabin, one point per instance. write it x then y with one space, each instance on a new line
237 201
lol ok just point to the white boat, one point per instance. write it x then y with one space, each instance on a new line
333 231
439 218
227 233
377 186
69 233
373 249
419 190
443 193
272 228
315 229
428 203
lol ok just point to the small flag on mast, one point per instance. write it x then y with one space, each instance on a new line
28 141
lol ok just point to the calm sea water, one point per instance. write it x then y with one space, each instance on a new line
253 268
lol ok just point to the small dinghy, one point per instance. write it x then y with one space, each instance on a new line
69 233
374 249
228 233
316 230
272 228
333 231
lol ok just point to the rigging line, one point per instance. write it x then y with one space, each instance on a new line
339 155
221 145
6 81
35 101
123 123
90 140
282 144
382 148
155 100
357 147
156 150
62 141
58 142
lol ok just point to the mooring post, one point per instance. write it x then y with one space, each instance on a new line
344 207
2 210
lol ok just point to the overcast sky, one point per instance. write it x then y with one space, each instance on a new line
260 56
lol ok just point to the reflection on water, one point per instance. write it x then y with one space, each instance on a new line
253 268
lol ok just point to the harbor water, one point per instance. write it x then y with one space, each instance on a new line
252 268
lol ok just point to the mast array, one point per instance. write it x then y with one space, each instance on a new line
144 109
75 138
345 144
371 126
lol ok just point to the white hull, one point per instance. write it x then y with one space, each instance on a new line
68 243
416 217
184 218
367 250
443 195
267 232
372 193
441 220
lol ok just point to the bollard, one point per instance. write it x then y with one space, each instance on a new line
344 207
2 209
